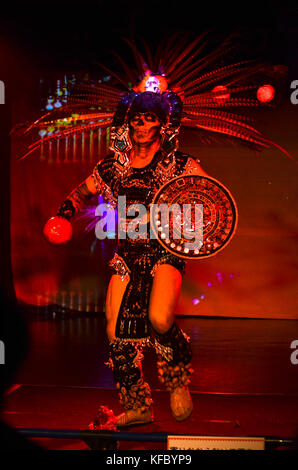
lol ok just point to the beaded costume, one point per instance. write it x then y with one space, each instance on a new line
140 257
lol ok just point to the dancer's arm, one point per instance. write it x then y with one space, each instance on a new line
77 198
58 229
96 183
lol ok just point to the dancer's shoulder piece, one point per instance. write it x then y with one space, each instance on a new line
188 163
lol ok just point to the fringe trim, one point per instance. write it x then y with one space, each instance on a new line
140 344
137 341
165 351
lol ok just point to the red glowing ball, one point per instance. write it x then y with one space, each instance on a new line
265 93
57 230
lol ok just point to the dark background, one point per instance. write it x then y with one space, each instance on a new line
68 33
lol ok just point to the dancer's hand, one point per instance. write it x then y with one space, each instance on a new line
57 230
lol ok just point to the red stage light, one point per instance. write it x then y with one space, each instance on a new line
58 230
265 93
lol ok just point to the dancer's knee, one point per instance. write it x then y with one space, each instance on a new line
161 323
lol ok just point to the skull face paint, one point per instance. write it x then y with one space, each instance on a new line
144 128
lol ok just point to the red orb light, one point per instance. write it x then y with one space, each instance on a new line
265 93
57 230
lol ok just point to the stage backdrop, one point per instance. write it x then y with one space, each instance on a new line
254 276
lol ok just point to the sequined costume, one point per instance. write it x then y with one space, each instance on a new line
140 257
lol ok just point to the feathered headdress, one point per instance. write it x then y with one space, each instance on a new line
199 95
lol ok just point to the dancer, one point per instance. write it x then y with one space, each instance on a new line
146 280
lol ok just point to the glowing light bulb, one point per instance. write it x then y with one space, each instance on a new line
265 93
57 104
49 106
50 130
152 84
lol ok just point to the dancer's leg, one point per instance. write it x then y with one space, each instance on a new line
164 296
125 360
172 345
115 292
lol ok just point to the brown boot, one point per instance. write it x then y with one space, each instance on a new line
181 403
135 416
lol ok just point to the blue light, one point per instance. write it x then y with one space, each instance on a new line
111 234
57 104
42 133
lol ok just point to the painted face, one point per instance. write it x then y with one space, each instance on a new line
144 128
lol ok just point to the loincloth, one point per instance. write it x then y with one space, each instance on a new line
139 259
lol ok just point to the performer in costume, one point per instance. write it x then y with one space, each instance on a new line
146 280
144 288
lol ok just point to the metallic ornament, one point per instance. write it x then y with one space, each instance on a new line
193 205
120 141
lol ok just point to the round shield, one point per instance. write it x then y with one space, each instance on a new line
193 216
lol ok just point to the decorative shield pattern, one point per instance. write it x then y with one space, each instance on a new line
193 216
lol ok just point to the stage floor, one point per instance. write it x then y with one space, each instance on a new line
244 382
214 414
